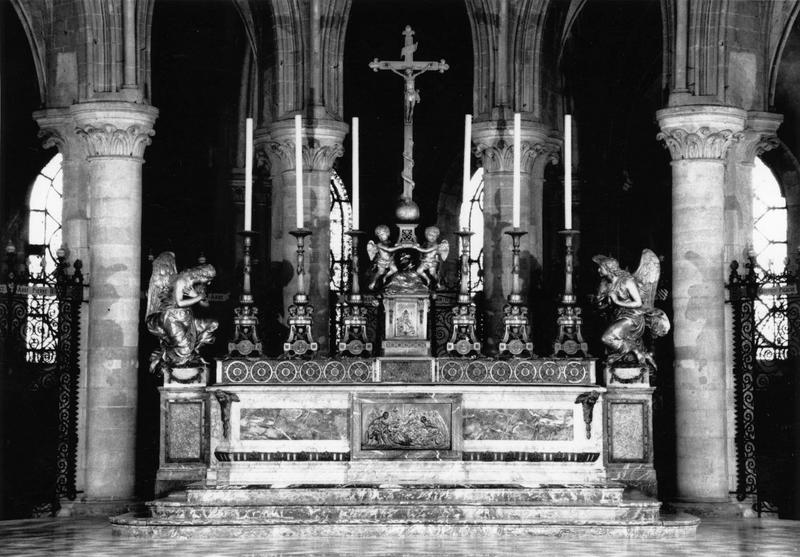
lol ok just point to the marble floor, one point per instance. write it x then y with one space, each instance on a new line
728 537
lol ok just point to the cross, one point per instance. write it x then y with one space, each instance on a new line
408 69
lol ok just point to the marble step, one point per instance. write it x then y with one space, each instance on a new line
405 514
666 526
308 494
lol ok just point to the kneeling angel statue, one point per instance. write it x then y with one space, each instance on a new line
631 296
170 299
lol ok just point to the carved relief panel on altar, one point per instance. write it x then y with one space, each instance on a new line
406 427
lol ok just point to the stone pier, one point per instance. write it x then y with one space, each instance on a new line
116 135
699 139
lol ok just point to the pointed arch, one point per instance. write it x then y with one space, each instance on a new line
33 18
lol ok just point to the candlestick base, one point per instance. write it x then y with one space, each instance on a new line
355 341
516 332
569 340
245 341
463 339
300 343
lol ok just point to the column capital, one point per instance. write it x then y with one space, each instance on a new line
57 129
494 144
115 129
699 132
322 144
760 135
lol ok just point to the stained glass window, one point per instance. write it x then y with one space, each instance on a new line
471 218
341 243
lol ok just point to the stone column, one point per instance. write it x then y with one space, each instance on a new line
57 129
699 138
493 141
115 134
322 145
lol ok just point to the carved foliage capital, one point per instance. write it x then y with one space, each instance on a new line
755 144
316 155
499 156
705 143
106 140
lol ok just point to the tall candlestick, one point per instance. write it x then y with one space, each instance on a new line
568 171
248 175
517 170
298 166
465 195
356 185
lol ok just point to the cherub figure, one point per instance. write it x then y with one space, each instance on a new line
632 297
170 317
433 254
382 254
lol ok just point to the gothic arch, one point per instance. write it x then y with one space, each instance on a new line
779 28
33 18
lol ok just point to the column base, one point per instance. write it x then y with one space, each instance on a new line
730 508
98 507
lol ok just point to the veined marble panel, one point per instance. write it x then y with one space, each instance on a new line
519 424
274 424
184 431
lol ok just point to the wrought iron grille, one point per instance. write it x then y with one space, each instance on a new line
39 336
766 318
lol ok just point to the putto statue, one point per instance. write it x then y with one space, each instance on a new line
170 317
432 254
382 253
631 296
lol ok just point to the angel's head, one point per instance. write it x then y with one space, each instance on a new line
203 274
606 266
382 232
432 233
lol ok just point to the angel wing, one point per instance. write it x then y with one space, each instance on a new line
444 249
647 277
372 249
164 269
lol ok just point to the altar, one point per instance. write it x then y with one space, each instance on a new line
381 436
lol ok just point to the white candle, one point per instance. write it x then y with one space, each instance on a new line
567 171
248 174
298 168
356 185
517 170
465 194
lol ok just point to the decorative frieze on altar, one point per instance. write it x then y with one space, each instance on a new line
479 371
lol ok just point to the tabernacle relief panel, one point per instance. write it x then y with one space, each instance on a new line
407 426
292 424
523 424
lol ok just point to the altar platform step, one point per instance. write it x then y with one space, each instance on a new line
264 511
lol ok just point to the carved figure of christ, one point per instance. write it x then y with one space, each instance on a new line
408 69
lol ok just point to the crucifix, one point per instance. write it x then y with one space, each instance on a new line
408 69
